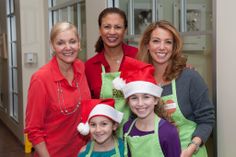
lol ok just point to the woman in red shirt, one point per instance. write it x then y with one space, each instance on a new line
110 48
54 96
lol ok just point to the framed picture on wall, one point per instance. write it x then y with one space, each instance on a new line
140 16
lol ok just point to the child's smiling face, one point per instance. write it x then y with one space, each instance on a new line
142 104
101 129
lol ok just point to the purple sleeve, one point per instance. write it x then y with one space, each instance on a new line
169 139
126 126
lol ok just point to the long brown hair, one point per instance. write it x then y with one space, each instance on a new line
177 61
159 109
99 46
161 112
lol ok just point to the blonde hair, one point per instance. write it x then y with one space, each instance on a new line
61 27
177 61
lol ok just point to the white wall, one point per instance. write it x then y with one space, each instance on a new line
226 77
93 8
32 16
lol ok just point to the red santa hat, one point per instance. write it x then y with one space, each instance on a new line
137 77
97 107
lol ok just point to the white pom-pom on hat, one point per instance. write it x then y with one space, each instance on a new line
83 128
118 83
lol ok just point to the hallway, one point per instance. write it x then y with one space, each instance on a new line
9 144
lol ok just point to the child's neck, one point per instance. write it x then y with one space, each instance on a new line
146 124
105 146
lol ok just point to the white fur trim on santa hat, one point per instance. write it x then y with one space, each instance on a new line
100 110
108 111
142 87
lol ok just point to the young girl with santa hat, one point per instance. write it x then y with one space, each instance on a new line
148 134
100 119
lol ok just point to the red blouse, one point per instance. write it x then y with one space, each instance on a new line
93 68
44 119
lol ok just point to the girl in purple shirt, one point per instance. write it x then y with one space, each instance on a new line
167 136
148 134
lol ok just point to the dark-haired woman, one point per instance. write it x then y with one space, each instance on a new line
111 52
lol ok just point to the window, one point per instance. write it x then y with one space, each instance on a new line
12 59
72 11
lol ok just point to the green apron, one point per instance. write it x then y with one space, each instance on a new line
185 126
107 91
141 146
116 149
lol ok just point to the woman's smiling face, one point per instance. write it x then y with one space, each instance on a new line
66 46
112 30
160 45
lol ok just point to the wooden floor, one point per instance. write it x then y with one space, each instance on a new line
10 146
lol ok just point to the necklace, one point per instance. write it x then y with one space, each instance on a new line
160 81
163 83
117 59
160 84
64 110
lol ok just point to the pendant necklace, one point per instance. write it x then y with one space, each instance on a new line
161 82
64 110
117 60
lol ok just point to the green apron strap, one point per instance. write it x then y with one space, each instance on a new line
131 126
186 127
91 149
117 148
125 138
173 86
103 69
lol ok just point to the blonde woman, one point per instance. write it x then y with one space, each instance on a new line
54 97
